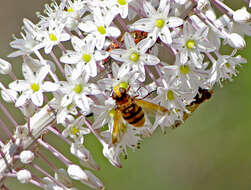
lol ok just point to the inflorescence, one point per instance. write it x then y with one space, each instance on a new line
163 55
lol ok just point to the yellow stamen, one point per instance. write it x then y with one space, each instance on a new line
86 57
184 69
78 89
70 9
190 44
170 95
35 87
102 30
122 2
160 23
53 37
134 57
227 65
74 130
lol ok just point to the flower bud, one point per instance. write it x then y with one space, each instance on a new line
75 172
5 67
236 41
24 176
93 181
63 177
241 16
9 95
26 156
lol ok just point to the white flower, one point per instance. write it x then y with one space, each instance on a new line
100 28
24 176
121 7
33 86
124 77
76 89
192 43
76 130
25 46
157 22
5 67
188 75
135 55
75 172
225 68
26 156
85 57
52 36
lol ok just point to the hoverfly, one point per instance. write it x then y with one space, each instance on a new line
131 110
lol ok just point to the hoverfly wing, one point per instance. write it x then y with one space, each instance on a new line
151 107
118 127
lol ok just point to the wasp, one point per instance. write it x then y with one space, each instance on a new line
131 110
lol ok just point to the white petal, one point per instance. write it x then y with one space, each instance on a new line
100 55
149 9
37 98
19 85
26 156
66 100
150 59
129 41
113 31
22 99
9 95
174 22
28 73
70 58
88 27
236 41
144 24
165 35
100 42
48 86
119 54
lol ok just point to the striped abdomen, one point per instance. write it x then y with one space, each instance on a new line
131 112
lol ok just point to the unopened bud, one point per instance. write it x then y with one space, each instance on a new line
75 172
24 176
5 67
242 16
26 156
236 41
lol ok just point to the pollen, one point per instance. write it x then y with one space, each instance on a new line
74 130
134 57
160 23
184 69
35 87
170 95
190 44
116 91
86 57
53 37
70 9
112 112
102 30
122 2
78 89
123 85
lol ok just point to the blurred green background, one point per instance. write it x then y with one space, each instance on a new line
212 150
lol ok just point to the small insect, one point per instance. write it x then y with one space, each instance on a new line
131 109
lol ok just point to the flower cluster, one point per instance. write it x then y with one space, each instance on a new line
111 49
